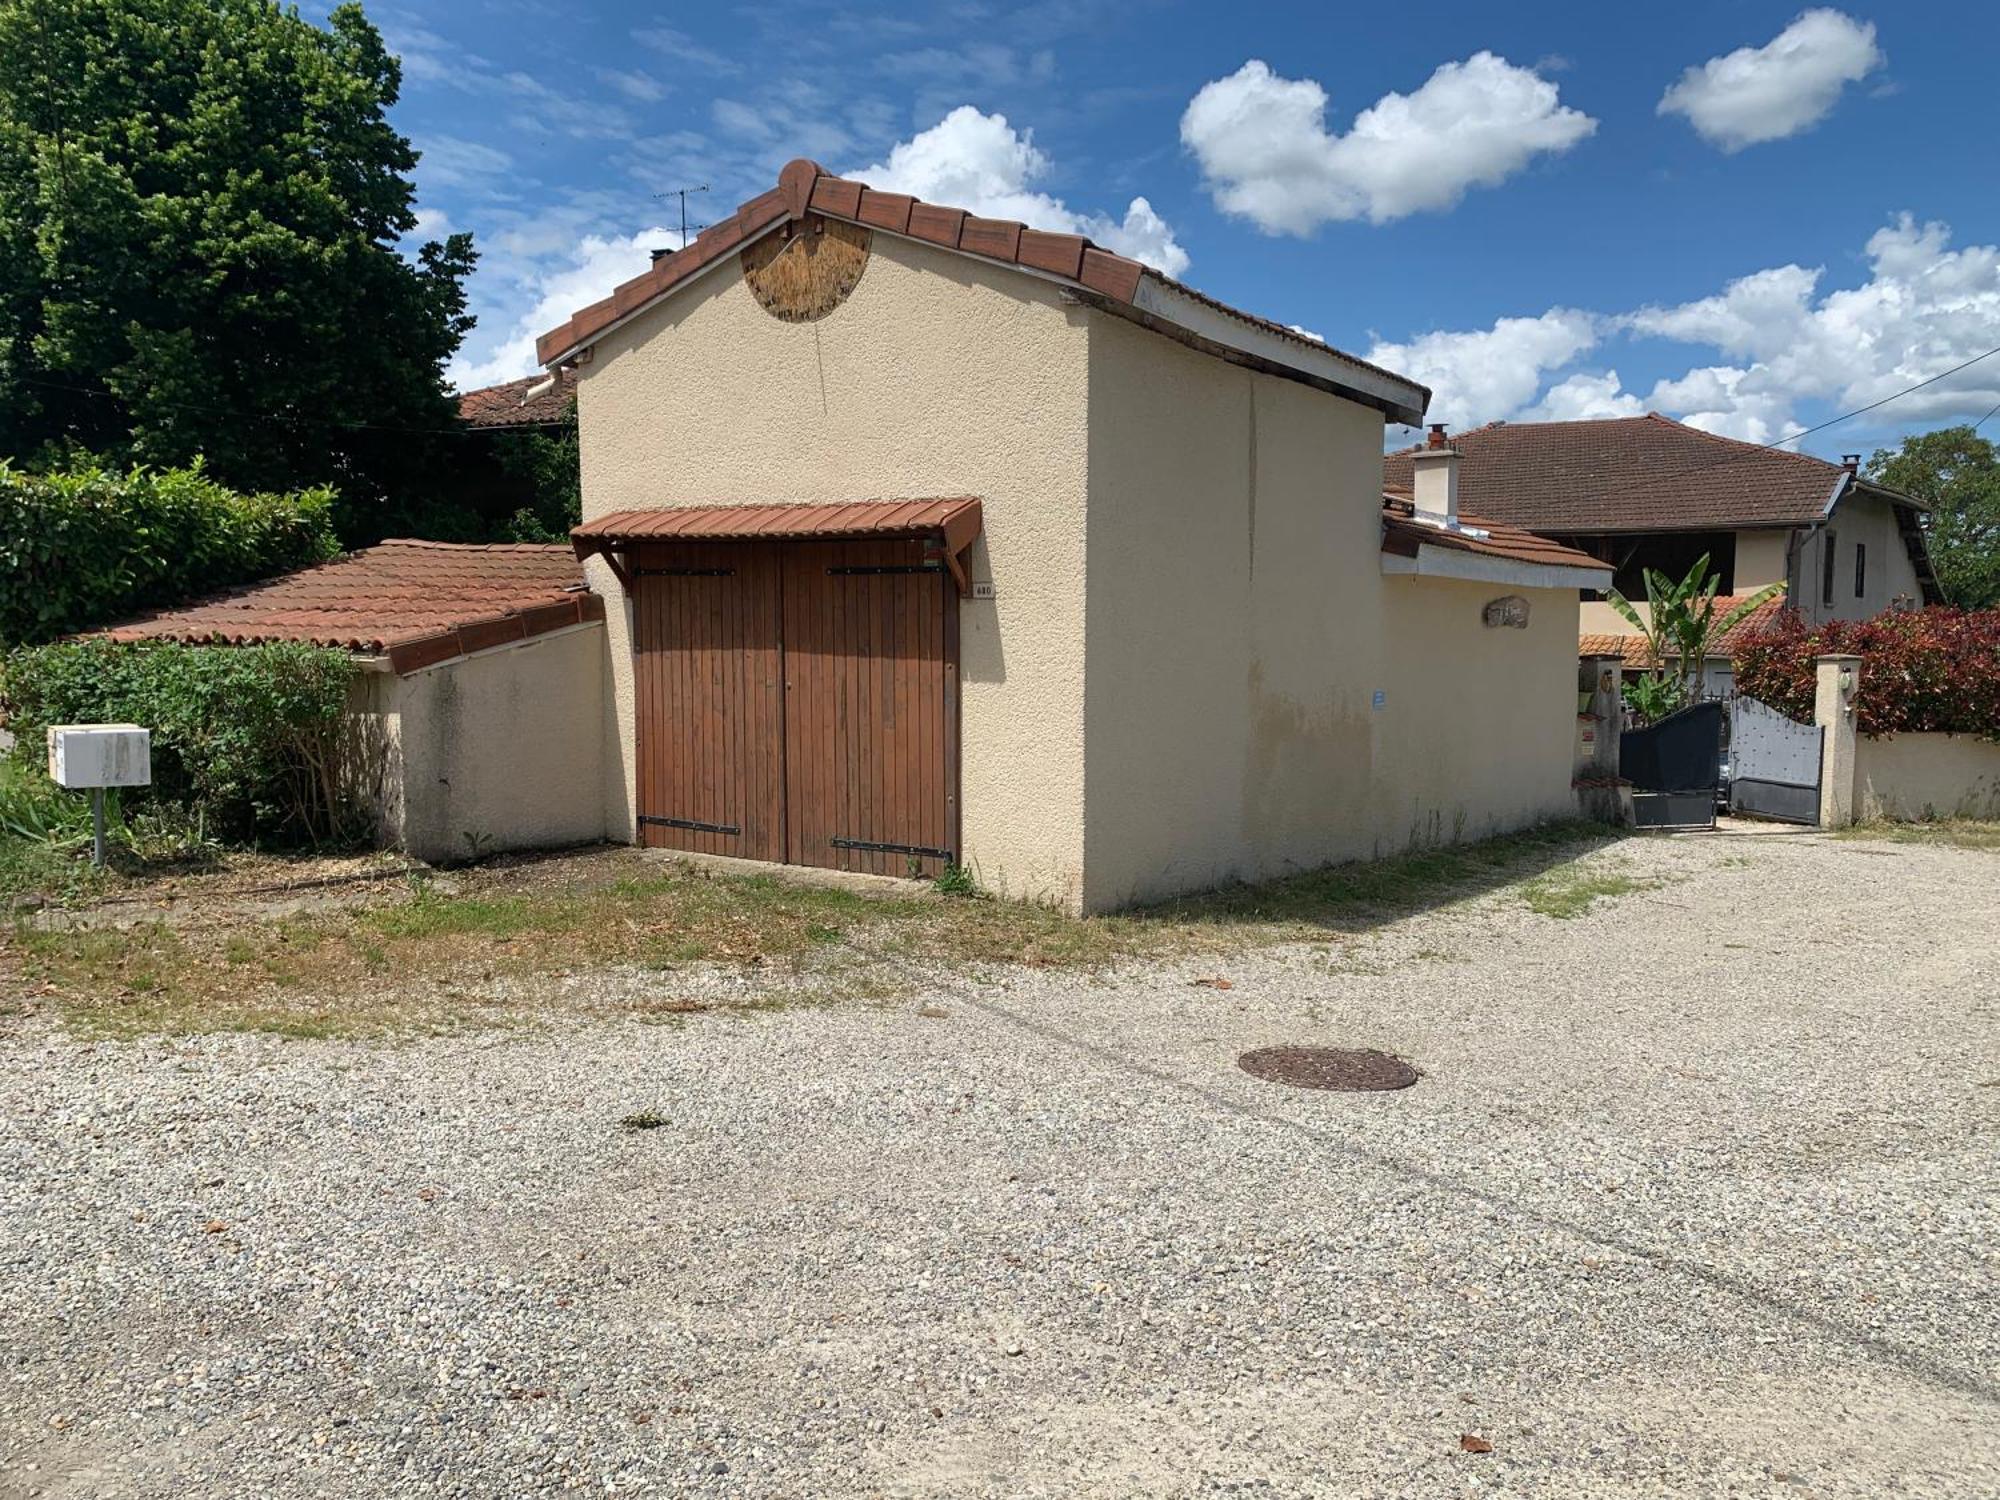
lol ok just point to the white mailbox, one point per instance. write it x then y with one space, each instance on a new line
99 755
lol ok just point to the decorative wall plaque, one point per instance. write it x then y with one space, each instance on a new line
806 269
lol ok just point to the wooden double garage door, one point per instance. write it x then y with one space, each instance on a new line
798 701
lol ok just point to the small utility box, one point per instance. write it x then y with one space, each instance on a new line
94 756
83 756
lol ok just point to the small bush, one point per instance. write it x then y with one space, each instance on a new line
1931 669
89 546
247 740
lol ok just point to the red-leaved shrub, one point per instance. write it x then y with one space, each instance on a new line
1929 669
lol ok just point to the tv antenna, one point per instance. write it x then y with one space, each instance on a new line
682 194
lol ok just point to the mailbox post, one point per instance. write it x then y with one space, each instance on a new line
96 756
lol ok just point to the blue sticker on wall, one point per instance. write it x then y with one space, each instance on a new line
1380 697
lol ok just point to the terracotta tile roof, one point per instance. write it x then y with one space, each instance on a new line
1638 657
804 186
1647 473
421 602
956 519
1631 647
1402 535
511 405
777 522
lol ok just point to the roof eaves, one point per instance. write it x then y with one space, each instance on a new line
1124 284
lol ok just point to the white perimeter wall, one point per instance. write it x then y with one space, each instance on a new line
503 750
1909 777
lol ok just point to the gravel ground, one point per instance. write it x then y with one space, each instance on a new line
1696 1197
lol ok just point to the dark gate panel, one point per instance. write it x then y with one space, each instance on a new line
1675 767
707 677
871 744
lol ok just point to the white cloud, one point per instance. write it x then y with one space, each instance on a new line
449 162
1480 374
1759 314
1264 148
635 84
551 293
684 52
979 162
1781 88
1307 333
1782 341
1728 401
1585 398
1924 308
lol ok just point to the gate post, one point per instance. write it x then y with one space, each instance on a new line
1837 679
1601 793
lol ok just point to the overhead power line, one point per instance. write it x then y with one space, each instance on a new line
1906 390
1777 444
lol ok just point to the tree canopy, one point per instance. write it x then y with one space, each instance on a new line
1956 472
201 206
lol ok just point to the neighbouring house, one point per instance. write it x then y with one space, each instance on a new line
539 402
933 539
513 471
478 711
1650 492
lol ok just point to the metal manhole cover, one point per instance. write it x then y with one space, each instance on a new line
1328 1068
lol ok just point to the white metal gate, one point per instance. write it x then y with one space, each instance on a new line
1773 763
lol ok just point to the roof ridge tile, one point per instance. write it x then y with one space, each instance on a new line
805 186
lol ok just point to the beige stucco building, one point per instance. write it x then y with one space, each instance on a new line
1149 609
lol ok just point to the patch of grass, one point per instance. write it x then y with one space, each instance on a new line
956 881
1570 891
1951 833
422 961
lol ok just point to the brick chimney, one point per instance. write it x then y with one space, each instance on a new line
1434 469
1851 462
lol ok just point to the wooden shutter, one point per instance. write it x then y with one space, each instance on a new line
871 706
709 698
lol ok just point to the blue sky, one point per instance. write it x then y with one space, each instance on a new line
1750 216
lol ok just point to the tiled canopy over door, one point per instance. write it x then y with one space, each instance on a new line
798 701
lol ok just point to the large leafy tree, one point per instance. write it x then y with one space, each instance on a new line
201 203
1956 472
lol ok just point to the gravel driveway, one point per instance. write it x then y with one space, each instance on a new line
1696 1197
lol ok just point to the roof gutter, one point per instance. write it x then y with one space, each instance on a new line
1474 567
1205 331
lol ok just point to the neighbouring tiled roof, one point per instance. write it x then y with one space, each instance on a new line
1631 647
512 405
1647 473
1638 657
804 186
419 602
1402 535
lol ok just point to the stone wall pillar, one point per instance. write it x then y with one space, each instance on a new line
1838 680
1600 721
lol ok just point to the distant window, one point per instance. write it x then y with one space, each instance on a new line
1860 571
1828 556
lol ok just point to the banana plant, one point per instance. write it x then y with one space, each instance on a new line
1680 625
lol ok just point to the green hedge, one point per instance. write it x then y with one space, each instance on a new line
89 546
248 737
